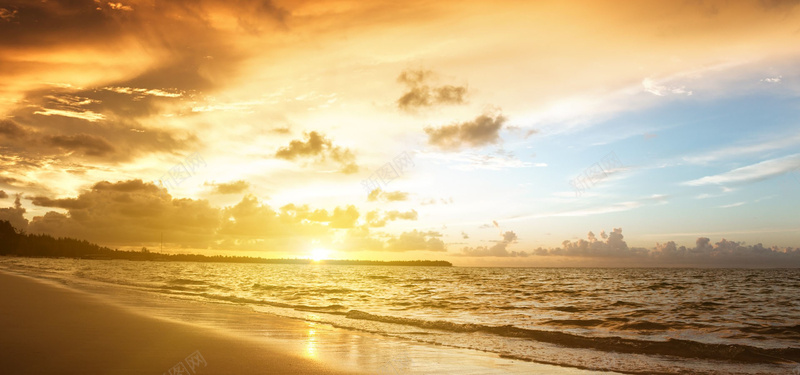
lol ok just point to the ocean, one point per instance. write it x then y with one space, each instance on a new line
643 321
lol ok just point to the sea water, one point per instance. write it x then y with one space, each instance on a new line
670 321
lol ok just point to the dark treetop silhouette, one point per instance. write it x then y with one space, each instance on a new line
18 243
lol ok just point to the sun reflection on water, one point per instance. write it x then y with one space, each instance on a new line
311 341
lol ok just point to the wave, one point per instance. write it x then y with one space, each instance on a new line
671 347
571 309
558 291
792 330
318 291
180 288
186 282
271 287
191 285
302 291
575 322
626 303
331 309
644 326
701 306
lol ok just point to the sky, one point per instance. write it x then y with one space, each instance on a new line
505 133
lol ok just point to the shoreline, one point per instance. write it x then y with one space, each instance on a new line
104 331
65 331
235 302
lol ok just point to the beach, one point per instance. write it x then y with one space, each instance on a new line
118 316
49 327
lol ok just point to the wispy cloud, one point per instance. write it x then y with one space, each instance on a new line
617 207
599 210
140 91
120 6
661 89
751 173
737 204
733 151
719 233
725 190
84 115
471 161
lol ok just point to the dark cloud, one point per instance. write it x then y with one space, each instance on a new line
66 203
89 145
252 14
15 214
233 187
76 139
114 104
314 145
449 94
414 77
92 80
137 213
49 23
415 97
779 4
482 131
25 146
188 57
724 252
11 130
3 194
609 245
420 94
612 245
128 212
48 145
7 15
9 182
282 130
89 22
317 146
499 249
129 186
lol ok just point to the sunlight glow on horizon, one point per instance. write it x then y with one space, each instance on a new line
318 254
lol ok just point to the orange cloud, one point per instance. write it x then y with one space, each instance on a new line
318 147
482 131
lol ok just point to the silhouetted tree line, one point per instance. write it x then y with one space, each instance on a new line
19 243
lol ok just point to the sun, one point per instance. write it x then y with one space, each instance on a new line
319 254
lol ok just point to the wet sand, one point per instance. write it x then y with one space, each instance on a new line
46 329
